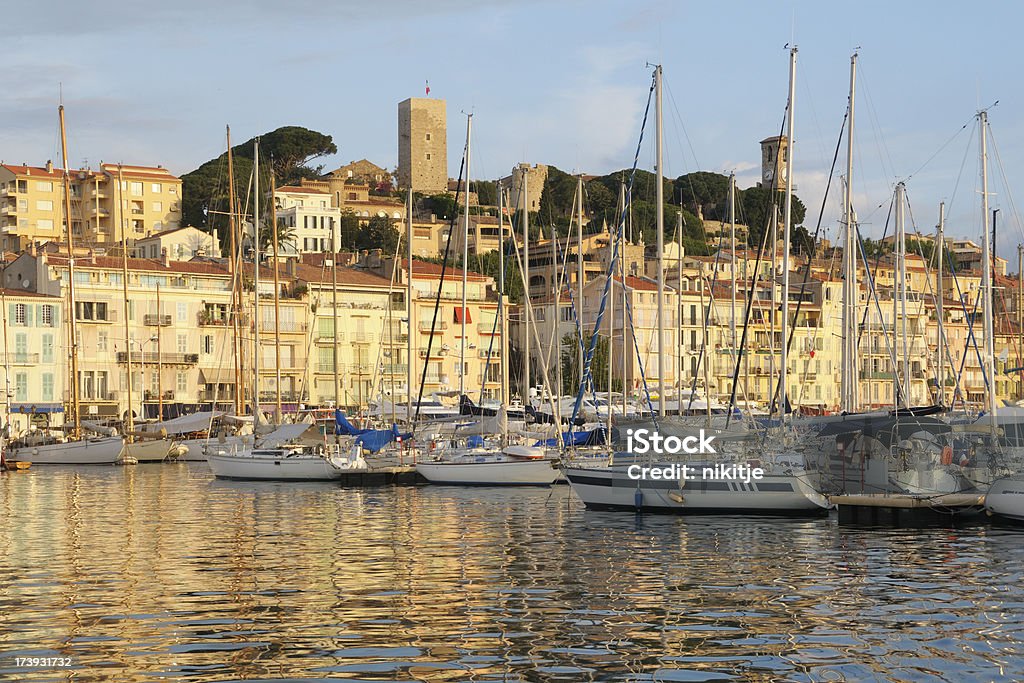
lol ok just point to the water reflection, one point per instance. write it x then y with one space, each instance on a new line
160 571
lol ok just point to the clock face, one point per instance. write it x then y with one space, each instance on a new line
767 174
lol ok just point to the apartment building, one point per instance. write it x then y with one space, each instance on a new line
32 203
33 359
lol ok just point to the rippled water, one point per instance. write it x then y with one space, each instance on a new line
159 572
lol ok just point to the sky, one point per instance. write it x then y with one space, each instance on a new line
563 83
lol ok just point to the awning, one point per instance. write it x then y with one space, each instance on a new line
459 310
37 407
216 375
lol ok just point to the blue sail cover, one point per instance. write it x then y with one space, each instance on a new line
594 437
371 439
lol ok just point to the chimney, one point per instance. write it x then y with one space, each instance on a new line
49 166
163 257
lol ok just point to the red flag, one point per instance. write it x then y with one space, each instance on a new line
428 87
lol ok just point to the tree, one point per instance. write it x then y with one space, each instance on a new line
598 365
756 204
486 192
286 152
379 233
709 191
442 206
285 233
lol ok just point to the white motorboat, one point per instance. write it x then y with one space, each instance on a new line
489 469
107 450
785 490
288 463
1005 498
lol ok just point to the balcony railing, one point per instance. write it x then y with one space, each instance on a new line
441 326
152 358
154 320
206 396
289 396
17 358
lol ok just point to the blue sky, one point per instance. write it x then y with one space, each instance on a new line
561 83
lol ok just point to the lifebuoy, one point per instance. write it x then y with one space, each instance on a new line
947 455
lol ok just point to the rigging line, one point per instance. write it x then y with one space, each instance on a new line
812 249
437 300
753 280
686 136
1006 185
613 260
883 150
940 149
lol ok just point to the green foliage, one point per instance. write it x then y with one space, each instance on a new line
379 233
709 191
442 205
486 192
598 366
349 229
285 233
286 152
757 202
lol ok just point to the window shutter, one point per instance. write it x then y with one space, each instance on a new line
39 314
10 314
28 315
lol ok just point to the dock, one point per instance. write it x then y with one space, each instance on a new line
382 476
906 510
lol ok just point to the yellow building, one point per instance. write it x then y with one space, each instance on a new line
33 360
32 204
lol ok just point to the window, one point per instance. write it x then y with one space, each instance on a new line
182 343
172 189
182 311
92 310
21 386
158 206
20 314
20 347
181 383
102 340
428 137
47 348
154 383
44 186
44 205
428 156
208 344
157 188
136 189
47 386
46 316
44 224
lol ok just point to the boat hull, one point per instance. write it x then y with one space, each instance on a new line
611 488
155 450
195 447
499 473
1005 498
264 468
103 451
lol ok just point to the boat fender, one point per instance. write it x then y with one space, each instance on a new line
676 497
638 499
947 455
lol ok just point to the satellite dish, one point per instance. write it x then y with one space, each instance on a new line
25 283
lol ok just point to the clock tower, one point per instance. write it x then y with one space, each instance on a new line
773 162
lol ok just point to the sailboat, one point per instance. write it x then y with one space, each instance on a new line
785 488
47 449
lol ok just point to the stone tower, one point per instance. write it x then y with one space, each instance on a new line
423 145
773 162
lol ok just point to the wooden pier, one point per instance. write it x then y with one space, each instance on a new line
905 510
382 476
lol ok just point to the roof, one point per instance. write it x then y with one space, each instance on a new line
171 231
427 268
55 173
155 172
193 267
20 292
294 189
345 276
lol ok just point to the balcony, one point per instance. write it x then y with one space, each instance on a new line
440 327
287 396
154 320
488 328
219 396
326 368
18 358
153 358
287 327
396 369
149 395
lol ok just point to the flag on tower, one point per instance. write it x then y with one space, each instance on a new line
428 87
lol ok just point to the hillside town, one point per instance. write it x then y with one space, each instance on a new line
333 328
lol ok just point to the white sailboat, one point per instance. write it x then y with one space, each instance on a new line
76 450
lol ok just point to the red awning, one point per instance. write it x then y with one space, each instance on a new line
458 315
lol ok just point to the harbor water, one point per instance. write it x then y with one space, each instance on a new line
160 572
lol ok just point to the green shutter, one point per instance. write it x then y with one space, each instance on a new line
28 315
10 314
39 314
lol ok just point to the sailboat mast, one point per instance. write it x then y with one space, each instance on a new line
579 280
621 235
257 350
502 398
72 313
940 361
334 313
465 264
408 310
986 272
526 285
236 309
901 273
787 233
277 294
732 249
660 199
130 421
850 377
159 359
